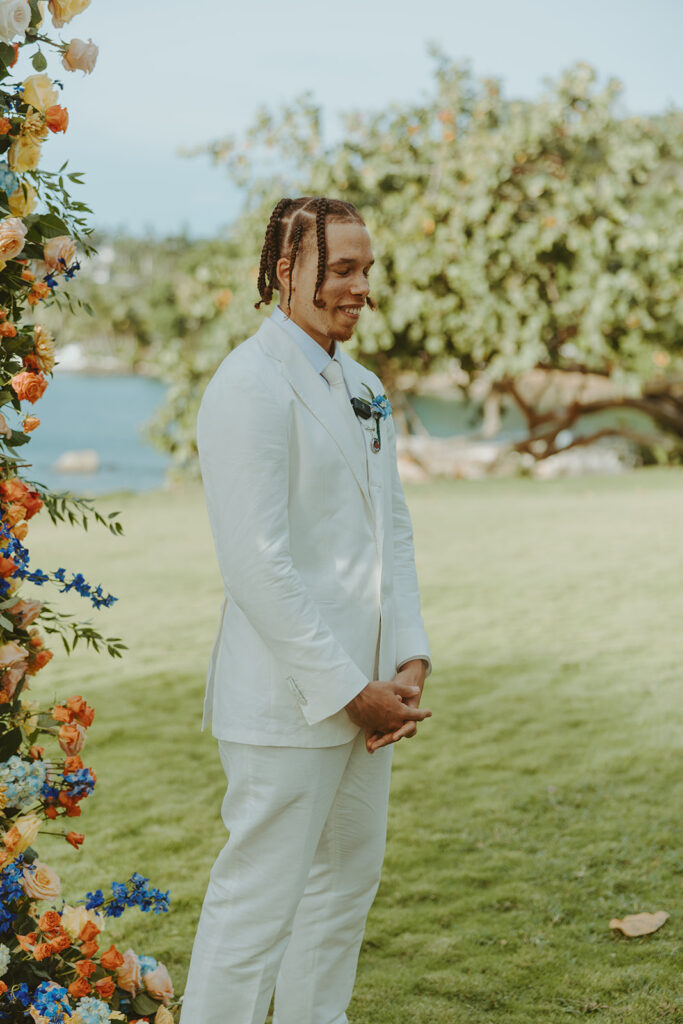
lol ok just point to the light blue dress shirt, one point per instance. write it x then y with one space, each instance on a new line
315 353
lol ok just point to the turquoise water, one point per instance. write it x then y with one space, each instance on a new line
104 412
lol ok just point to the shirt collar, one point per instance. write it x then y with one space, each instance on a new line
315 353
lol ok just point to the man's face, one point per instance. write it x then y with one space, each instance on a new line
344 288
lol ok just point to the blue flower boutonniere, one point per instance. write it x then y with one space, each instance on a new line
378 408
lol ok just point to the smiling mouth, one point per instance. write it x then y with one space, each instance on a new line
352 312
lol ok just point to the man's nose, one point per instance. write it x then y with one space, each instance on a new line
360 286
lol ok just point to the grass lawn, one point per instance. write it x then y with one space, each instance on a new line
541 800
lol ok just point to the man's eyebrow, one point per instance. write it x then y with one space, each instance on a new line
347 259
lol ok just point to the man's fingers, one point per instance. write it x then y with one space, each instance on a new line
414 714
403 690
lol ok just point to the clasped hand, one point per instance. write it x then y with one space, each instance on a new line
389 711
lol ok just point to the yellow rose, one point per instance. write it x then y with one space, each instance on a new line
34 127
24 154
22 833
21 205
30 707
64 10
40 92
163 1016
74 919
44 348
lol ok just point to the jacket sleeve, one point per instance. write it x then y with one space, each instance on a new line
411 638
242 437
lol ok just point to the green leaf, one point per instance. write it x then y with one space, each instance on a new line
9 743
39 62
145 1005
6 53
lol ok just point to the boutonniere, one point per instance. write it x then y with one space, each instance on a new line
379 407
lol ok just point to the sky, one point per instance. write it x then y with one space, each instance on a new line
180 74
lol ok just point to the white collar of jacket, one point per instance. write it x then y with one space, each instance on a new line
312 390
317 356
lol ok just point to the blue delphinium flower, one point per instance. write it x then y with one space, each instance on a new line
11 891
381 406
147 964
9 182
52 1002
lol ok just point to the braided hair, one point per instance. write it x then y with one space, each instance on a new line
291 223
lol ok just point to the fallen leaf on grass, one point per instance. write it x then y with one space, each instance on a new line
639 924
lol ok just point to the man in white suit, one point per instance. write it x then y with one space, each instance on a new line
321 653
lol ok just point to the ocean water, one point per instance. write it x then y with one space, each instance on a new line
102 412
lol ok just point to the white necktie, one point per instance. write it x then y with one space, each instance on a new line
334 376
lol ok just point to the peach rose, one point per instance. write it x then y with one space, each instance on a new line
15 18
11 653
24 154
25 612
13 676
30 707
163 1016
7 566
64 10
22 833
40 92
30 423
42 883
80 56
59 253
44 348
5 125
40 661
5 431
57 118
8 330
74 919
129 974
159 985
14 513
71 738
12 237
28 386
23 201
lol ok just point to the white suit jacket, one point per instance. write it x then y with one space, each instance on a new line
314 544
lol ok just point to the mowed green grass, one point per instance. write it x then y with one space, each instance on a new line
542 799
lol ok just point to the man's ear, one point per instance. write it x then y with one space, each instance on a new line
282 272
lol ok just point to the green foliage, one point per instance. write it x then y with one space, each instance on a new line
510 236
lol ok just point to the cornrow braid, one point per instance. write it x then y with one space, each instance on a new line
320 215
296 241
267 275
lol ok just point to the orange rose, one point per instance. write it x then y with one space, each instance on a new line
12 237
88 949
40 661
42 883
71 738
89 931
85 968
5 126
50 812
36 751
72 764
105 988
7 567
58 253
57 118
28 386
8 330
49 921
75 838
80 56
60 942
81 710
79 988
30 423
159 985
111 959
20 531
40 290
42 950
14 513
62 714
129 974
27 941
3 987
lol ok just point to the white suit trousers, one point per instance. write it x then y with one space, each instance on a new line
289 893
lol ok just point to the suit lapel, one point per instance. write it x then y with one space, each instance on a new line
311 389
